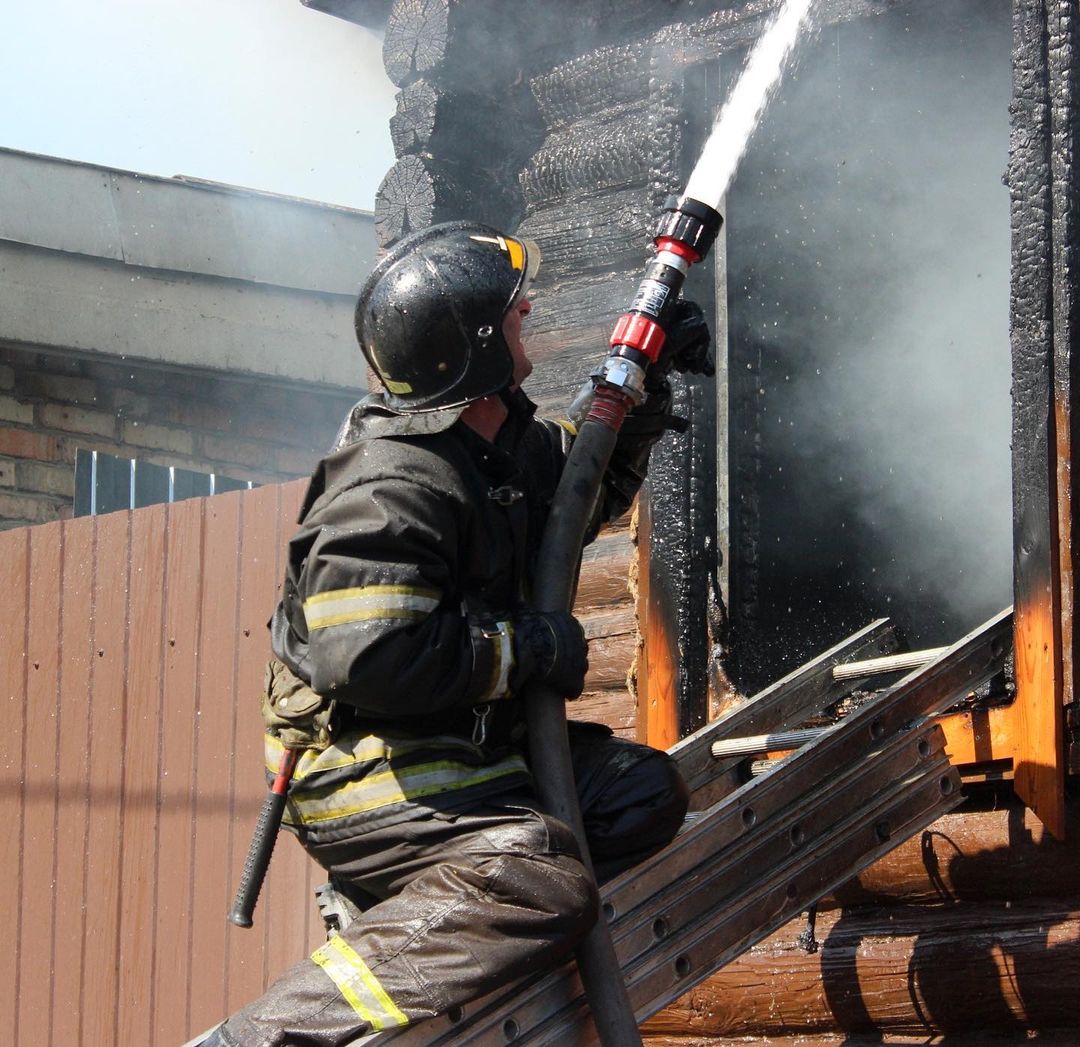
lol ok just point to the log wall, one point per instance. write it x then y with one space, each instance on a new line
970 931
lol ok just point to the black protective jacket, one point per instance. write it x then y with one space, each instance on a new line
417 543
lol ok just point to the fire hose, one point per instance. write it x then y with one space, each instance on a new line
686 231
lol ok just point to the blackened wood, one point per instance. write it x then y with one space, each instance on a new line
417 34
461 126
592 155
413 122
418 192
989 968
1036 566
585 231
602 80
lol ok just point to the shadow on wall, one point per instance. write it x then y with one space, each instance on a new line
998 954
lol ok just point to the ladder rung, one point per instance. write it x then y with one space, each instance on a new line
889 664
755 744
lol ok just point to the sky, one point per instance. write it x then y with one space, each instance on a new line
260 93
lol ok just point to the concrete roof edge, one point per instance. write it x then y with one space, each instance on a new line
191 181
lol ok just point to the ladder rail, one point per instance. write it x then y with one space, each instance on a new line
806 692
862 802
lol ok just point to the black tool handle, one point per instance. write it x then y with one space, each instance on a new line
262 843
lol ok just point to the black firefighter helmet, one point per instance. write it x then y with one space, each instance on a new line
429 318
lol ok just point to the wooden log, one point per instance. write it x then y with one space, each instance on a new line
918 970
418 192
612 706
603 79
591 155
1062 1038
453 126
605 568
585 230
971 855
416 40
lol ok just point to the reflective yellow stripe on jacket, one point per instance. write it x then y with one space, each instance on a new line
357 984
385 788
339 606
378 782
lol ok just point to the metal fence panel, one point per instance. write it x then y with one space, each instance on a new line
132 648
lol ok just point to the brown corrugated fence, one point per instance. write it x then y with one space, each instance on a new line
131 656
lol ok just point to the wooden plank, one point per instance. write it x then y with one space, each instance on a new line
980 735
70 902
657 668
1064 69
14 619
107 742
1039 773
39 841
215 716
138 939
174 860
258 552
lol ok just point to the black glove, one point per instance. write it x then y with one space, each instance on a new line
549 646
686 347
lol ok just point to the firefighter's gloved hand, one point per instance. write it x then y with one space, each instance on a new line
549 646
686 347
292 712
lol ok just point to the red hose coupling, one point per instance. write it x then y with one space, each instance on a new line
640 333
683 250
609 407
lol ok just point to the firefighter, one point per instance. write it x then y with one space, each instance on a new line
404 639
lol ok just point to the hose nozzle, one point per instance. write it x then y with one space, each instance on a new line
687 229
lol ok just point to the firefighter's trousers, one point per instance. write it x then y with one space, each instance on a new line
466 901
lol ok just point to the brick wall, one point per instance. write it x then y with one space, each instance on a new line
247 428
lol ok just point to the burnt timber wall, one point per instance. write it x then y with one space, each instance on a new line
589 193
573 126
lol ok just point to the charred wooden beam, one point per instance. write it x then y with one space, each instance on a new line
1037 561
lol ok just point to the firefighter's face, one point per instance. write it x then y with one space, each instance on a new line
512 331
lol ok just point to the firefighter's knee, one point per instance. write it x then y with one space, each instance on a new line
560 893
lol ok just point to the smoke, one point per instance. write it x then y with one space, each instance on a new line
868 233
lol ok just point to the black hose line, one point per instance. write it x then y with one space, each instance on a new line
686 231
